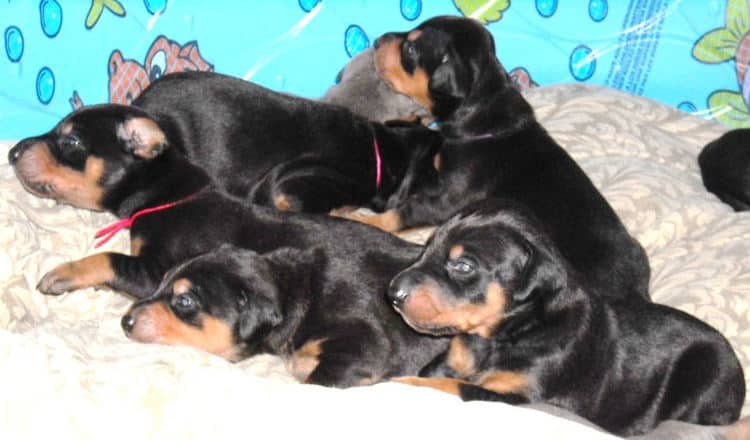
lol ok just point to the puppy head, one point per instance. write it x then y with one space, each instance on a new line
87 154
440 63
226 302
477 273
361 90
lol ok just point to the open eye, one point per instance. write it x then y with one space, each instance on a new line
445 59
184 303
461 266
70 142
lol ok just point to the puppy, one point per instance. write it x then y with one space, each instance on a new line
526 330
359 88
114 159
725 168
322 309
266 147
495 147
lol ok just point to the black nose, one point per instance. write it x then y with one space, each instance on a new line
16 152
399 289
127 322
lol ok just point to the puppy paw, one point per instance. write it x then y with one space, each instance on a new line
92 271
58 281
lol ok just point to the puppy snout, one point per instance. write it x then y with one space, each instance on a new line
128 323
15 153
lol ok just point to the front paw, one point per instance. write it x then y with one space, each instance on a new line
58 281
92 271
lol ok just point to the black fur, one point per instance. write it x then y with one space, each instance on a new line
725 168
624 365
495 147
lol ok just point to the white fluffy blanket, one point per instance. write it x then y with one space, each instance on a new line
67 370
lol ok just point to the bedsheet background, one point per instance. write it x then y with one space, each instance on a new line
60 54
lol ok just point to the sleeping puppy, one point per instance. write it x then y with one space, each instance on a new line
319 309
526 330
112 161
495 147
359 88
725 168
269 148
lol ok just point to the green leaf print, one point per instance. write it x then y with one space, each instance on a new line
485 11
729 108
716 46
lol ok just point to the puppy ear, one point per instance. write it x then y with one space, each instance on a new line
537 274
142 137
258 317
448 80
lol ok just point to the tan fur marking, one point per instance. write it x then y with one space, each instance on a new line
388 221
144 135
305 359
447 385
281 202
504 382
413 35
136 245
92 271
388 66
343 211
38 167
425 309
456 251
181 286
66 129
437 162
155 323
460 358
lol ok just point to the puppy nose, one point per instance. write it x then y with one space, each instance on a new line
16 152
398 291
397 296
127 322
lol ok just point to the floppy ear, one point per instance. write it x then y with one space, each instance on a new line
258 317
537 274
142 137
448 80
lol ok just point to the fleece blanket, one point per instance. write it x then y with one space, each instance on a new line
67 370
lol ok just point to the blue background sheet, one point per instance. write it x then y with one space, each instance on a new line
60 54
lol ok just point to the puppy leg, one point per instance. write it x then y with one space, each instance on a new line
135 276
306 185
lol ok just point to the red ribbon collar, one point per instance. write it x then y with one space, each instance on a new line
112 230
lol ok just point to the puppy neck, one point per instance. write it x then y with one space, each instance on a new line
493 108
165 179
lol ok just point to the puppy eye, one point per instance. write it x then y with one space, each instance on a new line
445 59
410 48
70 143
461 266
184 303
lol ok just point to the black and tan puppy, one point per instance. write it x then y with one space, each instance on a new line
118 162
266 147
322 309
527 330
725 168
495 147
